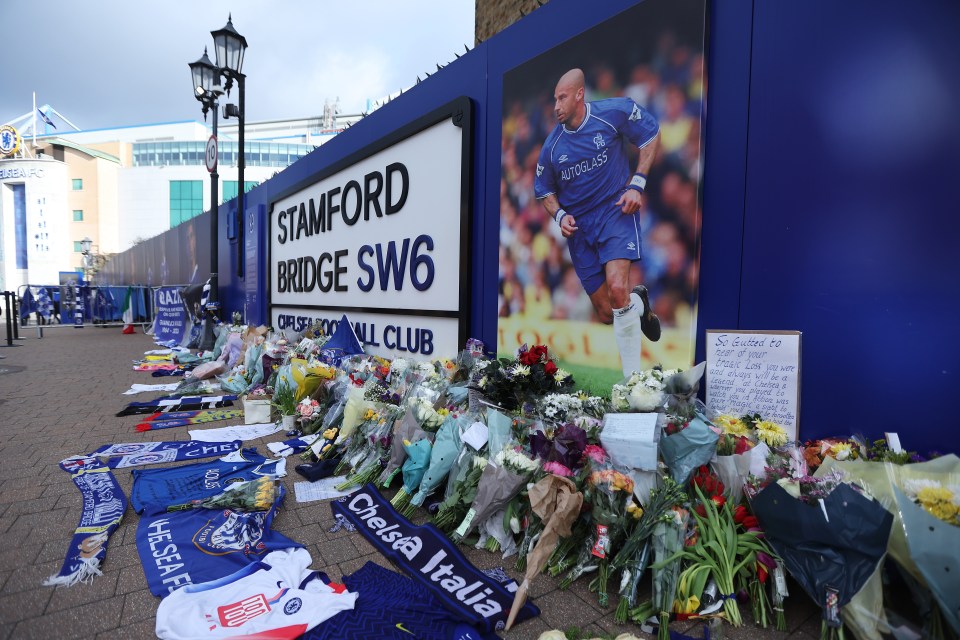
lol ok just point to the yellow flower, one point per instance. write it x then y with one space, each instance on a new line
938 502
771 433
330 433
443 411
731 425
841 450
635 510
690 605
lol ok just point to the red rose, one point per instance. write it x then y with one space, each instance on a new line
539 353
527 358
550 368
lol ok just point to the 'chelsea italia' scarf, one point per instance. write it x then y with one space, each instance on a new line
103 507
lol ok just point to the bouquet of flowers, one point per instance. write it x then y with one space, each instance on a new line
558 407
555 502
418 459
565 449
407 429
737 458
462 493
632 559
720 552
608 492
642 392
446 447
830 536
500 482
252 495
427 417
512 383
688 442
766 431
814 451
668 536
377 450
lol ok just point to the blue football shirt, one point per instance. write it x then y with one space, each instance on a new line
586 167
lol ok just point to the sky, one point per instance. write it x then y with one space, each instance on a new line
110 63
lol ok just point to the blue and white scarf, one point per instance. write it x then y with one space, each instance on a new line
133 454
103 507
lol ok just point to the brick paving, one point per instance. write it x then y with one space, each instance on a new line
58 397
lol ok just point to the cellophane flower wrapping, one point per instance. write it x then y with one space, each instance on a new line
462 493
608 491
253 495
667 540
404 429
446 448
688 449
565 447
831 543
500 481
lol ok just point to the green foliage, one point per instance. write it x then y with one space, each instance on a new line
284 400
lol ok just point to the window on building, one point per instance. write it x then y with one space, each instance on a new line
77 246
78 184
78 215
229 190
186 200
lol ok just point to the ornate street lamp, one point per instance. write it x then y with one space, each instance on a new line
229 48
206 89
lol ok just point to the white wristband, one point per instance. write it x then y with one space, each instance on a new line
558 216
638 182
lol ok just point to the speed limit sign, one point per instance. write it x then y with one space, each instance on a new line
211 155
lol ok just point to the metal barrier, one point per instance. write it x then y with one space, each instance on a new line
10 317
79 306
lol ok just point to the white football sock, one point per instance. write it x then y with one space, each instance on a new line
626 330
637 302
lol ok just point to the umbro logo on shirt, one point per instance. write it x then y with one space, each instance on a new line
563 158
631 246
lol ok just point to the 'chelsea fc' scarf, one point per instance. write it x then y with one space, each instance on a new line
133 454
103 507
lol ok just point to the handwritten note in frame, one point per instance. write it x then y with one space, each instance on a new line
755 372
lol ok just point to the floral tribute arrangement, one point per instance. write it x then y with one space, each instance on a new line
493 449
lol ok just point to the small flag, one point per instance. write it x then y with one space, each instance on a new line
128 312
46 118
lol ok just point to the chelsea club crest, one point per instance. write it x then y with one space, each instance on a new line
9 140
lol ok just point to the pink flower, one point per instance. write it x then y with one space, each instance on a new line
557 469
595 453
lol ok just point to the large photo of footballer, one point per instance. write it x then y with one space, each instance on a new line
602 149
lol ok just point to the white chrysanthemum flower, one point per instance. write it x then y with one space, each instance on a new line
561 376
520 370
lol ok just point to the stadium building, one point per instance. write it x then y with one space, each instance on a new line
119 186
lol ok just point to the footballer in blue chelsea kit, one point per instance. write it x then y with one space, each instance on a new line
585 183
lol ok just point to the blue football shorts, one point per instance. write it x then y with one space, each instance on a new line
603 235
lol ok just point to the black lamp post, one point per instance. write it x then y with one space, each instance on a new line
206 89
229 48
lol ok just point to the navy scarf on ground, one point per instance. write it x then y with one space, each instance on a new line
428 556
158 489
392 607
132 454
103 507
199 545
167 405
